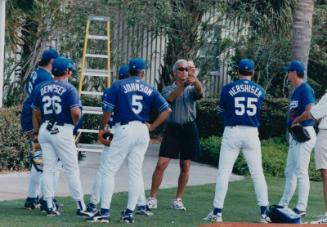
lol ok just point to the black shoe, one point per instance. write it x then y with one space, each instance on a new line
92 208
144 210
43 205
127 217
83 213
98 217
31 203
52 212
302 213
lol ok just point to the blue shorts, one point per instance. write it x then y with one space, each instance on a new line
26 119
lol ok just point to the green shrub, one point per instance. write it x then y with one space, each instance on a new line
274 156
273 118
14 144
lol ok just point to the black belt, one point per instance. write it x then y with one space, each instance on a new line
127 122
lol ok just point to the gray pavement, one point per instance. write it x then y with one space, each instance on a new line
14 185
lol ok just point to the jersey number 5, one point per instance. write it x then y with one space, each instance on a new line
136 104
245 105
51 103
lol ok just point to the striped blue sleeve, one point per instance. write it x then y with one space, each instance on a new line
109 99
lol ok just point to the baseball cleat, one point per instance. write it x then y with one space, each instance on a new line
83 213
127 217
152 203
302 213
98 217
52 212
264 219
177 204
322 220
92 208
144 210
214 218
31 203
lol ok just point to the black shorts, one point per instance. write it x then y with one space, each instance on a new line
180 142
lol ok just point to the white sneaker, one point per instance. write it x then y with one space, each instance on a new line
152 203
177 204
264 219
322 220
214 218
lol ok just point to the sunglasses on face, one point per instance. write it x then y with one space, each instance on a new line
182 69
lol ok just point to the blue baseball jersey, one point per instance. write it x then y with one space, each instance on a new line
240 103
302 96
38 76
132 99
55 99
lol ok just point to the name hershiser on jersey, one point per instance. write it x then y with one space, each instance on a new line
240 103
234 90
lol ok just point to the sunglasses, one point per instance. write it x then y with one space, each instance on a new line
182 69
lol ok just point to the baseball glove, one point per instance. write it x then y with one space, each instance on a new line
299 133
105 137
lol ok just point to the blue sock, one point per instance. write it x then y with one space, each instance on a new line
263 209
217 210
104 211
128 211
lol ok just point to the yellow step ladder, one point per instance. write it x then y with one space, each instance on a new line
95 66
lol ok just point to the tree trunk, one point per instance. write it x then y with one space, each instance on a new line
302 31
182 36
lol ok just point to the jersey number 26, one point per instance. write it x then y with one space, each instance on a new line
51 104
245 105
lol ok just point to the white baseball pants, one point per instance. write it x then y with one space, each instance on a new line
62 146
296 170
130 142
96 187
234 140
35 186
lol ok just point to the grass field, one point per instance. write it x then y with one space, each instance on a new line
240 206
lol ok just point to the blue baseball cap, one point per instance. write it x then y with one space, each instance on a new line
297 66
49 54
137 64
123 72
60 65
246 64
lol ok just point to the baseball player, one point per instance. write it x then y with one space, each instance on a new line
142 208
298 157
130 100
240 106
56 109
41 74
319 113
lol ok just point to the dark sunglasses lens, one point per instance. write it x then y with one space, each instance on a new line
183 69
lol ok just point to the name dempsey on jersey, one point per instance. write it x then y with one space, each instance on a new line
137 87
53 88
245 88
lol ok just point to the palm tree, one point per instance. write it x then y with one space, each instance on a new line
302 31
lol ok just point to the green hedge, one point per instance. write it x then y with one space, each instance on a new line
274 156
14 144
273 118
